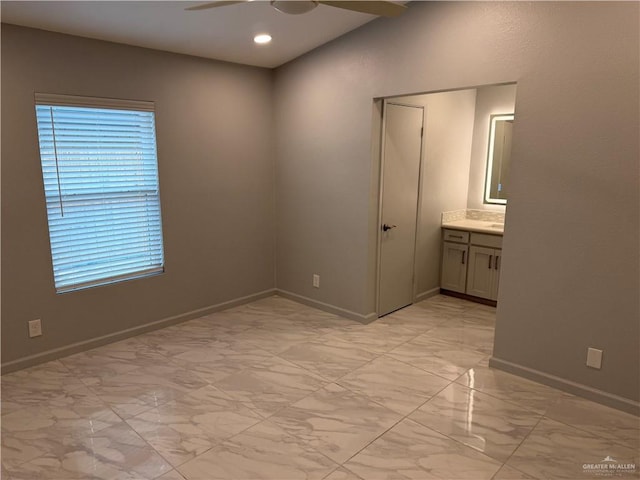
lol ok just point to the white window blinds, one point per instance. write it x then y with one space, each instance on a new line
100 172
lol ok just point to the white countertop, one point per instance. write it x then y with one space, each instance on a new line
482 226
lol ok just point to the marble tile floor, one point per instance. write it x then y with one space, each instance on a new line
278 390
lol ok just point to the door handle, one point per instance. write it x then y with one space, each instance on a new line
386 227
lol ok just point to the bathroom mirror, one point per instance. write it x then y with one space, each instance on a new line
498 159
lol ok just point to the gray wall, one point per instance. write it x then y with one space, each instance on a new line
449 120
489 101
215 157
570 275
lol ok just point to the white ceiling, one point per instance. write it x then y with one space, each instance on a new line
223 33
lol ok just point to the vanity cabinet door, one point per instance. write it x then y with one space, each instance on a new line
497 261
482 273
454 266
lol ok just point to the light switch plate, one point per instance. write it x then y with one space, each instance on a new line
594 358
35 328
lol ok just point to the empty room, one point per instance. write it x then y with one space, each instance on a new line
280 240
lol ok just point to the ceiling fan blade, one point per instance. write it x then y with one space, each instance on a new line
220 3
383 9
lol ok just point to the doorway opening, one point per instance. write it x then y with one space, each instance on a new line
432 151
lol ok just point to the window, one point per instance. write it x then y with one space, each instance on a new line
100 171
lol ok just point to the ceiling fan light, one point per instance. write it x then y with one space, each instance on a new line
294 7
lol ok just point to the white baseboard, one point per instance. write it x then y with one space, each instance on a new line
368 318
428 294
60 352
599 396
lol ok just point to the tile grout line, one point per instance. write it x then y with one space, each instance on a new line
402 418
519 445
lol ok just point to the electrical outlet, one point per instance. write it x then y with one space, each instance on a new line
316 280
35 328
594 358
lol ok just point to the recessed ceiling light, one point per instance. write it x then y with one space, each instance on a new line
262 38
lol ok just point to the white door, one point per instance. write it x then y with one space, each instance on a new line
402 151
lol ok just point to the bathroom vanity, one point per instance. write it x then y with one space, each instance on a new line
471 259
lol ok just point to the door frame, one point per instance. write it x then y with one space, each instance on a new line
383 133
